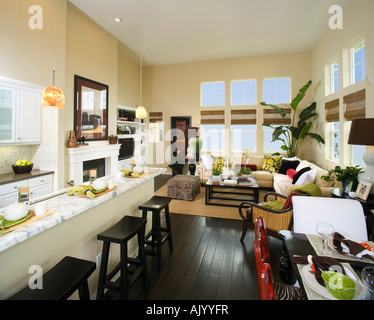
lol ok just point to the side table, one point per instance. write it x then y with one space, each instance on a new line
367 205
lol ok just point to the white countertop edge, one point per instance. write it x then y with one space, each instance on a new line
64 211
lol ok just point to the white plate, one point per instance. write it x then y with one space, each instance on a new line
311 281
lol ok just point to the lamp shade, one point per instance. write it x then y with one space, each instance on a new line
53 97
362 132
140 112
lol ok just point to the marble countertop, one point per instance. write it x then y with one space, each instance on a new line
12 177
66 207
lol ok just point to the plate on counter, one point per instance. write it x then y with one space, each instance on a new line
97 194
9 226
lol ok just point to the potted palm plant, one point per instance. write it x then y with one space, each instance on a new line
294 135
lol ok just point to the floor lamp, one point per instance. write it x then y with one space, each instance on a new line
362 133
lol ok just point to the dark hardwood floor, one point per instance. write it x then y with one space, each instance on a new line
208 263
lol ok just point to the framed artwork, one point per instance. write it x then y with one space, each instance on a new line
90 109
348 186
363 189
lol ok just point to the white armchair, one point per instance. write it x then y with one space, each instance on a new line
346 215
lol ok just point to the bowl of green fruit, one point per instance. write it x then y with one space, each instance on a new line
22 166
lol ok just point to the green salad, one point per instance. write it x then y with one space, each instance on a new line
339 285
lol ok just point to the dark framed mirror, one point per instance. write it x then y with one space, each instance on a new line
91 109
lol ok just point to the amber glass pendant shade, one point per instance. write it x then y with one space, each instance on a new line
53 97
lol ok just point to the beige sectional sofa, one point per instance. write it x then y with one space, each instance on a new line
281 183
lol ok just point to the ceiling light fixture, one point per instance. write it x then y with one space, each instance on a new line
117 19
53 96
140 111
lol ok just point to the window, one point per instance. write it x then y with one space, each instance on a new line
358 63
88 100
334 140
213 136
277 90
334 76
243 92
243 137
212 94
156 132
268 136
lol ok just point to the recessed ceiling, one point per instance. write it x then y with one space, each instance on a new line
179 31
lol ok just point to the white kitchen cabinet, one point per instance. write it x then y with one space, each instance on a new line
38 186
20 114
9 192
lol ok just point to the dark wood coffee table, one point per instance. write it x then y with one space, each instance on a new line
243 190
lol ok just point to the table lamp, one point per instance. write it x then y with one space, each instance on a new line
362 133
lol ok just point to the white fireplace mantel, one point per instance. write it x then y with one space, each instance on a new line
74 158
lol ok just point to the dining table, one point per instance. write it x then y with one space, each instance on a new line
303 245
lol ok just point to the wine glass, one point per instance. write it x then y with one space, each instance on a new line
325 230
367 277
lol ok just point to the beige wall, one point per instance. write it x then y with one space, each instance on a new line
357 21
175 89
27 55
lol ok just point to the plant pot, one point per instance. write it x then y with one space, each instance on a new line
177 171
113 140
216 178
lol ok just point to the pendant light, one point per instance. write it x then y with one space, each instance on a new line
140 111
53 96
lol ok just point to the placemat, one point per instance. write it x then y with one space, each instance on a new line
316 242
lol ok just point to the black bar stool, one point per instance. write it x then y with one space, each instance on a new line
130 268
60 282
155 205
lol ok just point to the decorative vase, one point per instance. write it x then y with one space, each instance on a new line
72 142
216 178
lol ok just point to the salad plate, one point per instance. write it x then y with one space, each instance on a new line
310 280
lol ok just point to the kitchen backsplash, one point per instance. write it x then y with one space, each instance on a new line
42 156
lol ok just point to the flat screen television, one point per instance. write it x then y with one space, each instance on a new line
126 150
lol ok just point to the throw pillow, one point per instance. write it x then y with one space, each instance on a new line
219 162
207 162
271 164
291 173
274 204
299 173
288 203
288 164
306 177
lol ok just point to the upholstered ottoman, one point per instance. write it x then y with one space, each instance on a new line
183 187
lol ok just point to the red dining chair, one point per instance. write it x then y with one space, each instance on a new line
264 272
269 290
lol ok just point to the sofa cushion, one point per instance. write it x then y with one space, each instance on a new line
257 160
307 177
271 164
262 175
299 174
291 173
303 164
278 177
288 164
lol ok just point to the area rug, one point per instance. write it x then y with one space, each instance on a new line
197 206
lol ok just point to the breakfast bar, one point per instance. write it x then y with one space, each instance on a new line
71 229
